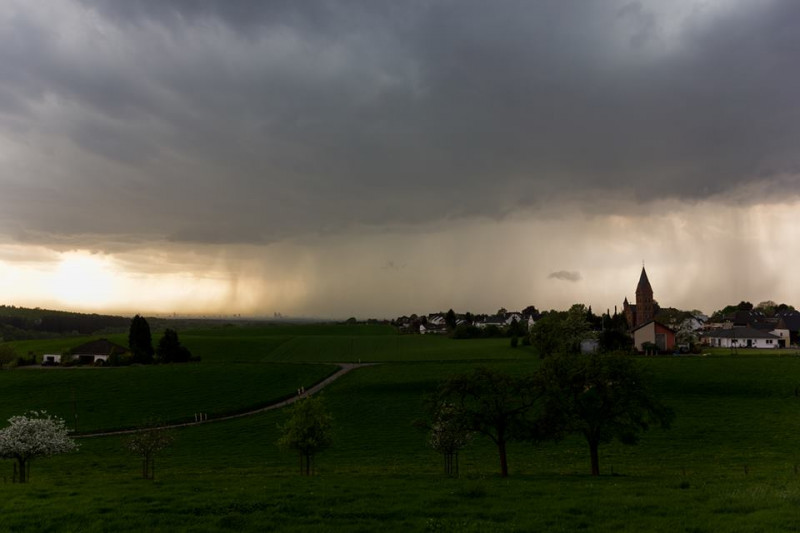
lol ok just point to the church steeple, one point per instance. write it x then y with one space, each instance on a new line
644 285
645 305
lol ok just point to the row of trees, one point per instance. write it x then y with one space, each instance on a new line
38 434
600 397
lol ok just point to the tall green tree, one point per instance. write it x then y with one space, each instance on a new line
496 405
307 431
602 397
140 341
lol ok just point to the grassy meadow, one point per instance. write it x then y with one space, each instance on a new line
729 463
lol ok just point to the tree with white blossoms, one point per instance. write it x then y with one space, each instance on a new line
34 434
448 436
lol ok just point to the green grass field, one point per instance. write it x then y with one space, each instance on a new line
729 463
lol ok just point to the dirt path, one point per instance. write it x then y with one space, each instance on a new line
344 368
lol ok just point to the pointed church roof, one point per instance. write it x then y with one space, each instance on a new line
644 283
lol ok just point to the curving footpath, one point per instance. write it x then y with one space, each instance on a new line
344 368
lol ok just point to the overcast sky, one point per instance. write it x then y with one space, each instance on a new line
375 158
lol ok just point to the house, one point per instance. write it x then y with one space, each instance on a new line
495 320
51 359
433 328
96 352
654 333
436 319
744 337
790 320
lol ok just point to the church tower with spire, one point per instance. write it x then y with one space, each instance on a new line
645 308
645 305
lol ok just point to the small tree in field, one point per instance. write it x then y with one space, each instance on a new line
34 434
147 444
448 436
308 431
494 404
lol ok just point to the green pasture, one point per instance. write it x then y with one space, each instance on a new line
114 398
730 462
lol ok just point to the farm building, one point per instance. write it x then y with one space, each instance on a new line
97 351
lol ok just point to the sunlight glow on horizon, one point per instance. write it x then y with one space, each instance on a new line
701 255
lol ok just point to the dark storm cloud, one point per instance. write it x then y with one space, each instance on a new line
565 275
206 121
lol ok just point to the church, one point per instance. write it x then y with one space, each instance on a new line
645 308
641 318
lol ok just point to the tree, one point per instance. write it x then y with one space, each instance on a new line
170 349
602 397
530 311
561 332
7 355
496 405
140 341
517 328
33 434
448 436
450 319
308 431
147 443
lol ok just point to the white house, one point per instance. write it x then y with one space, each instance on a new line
742 338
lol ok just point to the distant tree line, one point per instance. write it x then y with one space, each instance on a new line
19 323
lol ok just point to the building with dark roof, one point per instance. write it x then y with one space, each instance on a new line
97 351
742 337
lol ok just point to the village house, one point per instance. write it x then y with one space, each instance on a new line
654 333
742 337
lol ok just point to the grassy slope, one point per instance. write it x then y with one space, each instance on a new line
727 464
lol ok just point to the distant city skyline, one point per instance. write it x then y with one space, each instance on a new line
373 159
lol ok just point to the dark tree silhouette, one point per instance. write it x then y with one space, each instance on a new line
602 397
450 319
170 349
140 341
496 405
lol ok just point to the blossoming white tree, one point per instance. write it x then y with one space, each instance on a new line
448 436
34 434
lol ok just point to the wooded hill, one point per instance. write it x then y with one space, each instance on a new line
19 323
